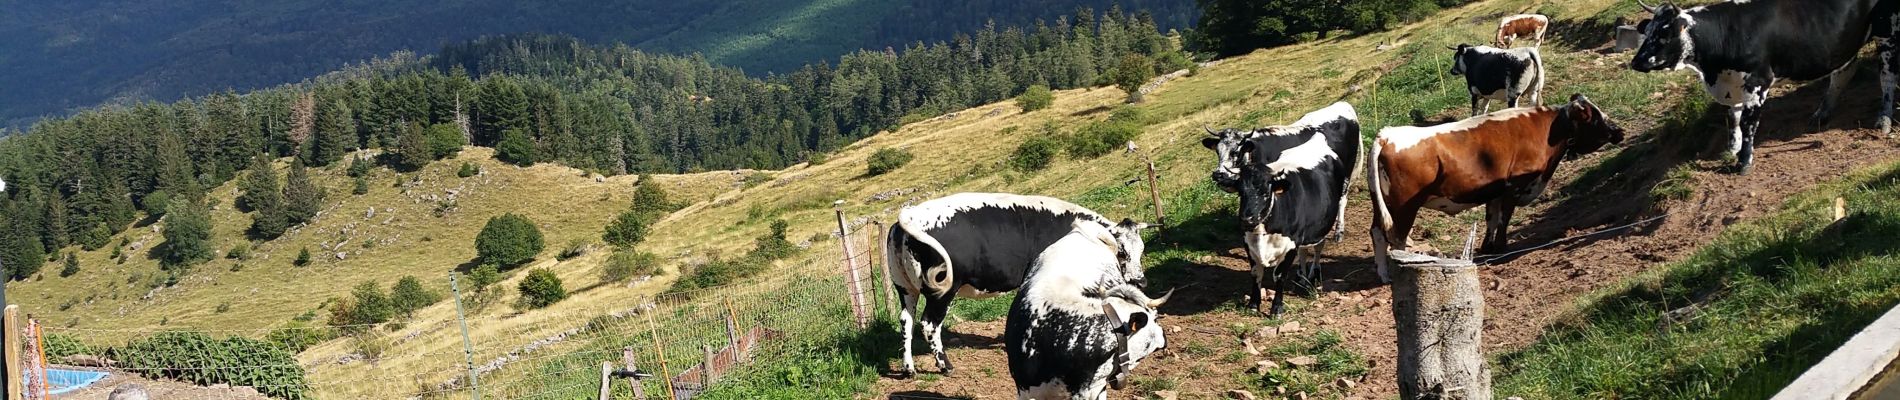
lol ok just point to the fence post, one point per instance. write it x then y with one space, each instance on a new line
606 378
626 358
468 350
882 236
1439 308
1154 193
851 268
706 367
39 382
666 376
12 323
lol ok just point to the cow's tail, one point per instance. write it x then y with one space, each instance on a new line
913 272
1537 84
1381 216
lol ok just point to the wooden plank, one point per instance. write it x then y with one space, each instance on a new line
626 359
606 378
12 325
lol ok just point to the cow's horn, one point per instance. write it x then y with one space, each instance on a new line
1156 303
1210 131
1646 7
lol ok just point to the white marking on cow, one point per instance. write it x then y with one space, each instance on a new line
1447 206
1333 112
1303 157
1051 390
1268 249
1731 89
1077 262
1404 137
934 213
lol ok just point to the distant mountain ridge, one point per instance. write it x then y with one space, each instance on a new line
56 57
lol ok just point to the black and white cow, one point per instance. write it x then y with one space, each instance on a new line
1741 47
1077 328
980 245
1292 181
1498 74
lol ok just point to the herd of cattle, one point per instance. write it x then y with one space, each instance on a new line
1081 321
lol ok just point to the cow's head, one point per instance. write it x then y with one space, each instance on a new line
1226 146
1458 57
1667 45
1132 315
1260 185
1128 249
1589 128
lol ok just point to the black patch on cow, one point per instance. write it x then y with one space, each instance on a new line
1062 346
1307 203
992 248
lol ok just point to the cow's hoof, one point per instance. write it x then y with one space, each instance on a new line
1738 168
1885 124
948 371
1818 120
907 373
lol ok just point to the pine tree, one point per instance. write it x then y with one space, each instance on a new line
413 151
71 267
187 235
263 197
501 105
53 230
302 198
516 148
335 134
20 253
445 140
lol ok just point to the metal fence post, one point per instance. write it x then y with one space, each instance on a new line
852 287
468 350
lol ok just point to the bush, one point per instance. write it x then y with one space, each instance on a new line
298 336
508 240
58 346
516 148
1036 97
484 276
445 140
541 289
816 157
72 266
408 296
626 264
468 170
187 235
1034 154
886 160
651 201
156 202
361 188
1131 73
717 272
359 167
1100 138
237 361
239 251
628 229
575 248
95 238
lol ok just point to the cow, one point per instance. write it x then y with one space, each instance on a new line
1292 183
1521 26
1740 48
1226 144
1077 327
979 245
1501 160
1498 74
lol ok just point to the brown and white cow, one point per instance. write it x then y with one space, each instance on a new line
1500 160
1522 26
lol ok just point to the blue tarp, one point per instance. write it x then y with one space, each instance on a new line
65 380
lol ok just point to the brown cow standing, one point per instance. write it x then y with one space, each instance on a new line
1501 160
1521 26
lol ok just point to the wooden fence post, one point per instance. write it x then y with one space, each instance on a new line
1154 193
706 367
882 235
666 376
1439 308
606 378
852 287
12 334
626 359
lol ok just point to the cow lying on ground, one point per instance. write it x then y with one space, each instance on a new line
980 245
1501 160
1498 74
1292 183
1521 26
1741 48
1077 328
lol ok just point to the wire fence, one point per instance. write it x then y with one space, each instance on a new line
673 344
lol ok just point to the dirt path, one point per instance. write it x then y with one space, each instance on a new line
160 389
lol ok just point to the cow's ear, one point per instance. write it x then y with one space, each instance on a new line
1210 142
1642 26
1134 322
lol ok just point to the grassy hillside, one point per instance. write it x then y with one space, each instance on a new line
64 56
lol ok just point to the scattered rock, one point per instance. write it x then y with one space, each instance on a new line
1302 361
1174 329
1238 394
1346 383
1290 327
342 255
1167 394
1267 332
129 391
1300 396
1252 351
1262 366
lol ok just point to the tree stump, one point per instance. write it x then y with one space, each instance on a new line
1439 307
1627 38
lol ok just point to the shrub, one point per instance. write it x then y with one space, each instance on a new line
628 229
886 160
239 251
768 248
1036 97
72 266
298 336
484 276
156 202
408 295
237 361
58 346
541 289
359 167
445 140
187 235
303 257
575 248
94 238
516 148
626 264
651 201
817 157
468 170
369 306
1034 154
508 240
1100 138
361 187
1131 73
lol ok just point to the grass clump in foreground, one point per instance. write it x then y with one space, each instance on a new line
1739 319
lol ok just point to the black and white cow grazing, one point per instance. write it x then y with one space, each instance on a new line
1498 74
1741 47
982 244
1077 328
1293 193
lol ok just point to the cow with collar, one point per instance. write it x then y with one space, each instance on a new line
1521 26
1492 73
982 244
1501 160
1292 184
1740 48
1078 327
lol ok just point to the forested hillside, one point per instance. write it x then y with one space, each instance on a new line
60 56
533 98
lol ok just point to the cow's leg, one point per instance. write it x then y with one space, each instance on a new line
934 314
1475 100
1497 224
1751 125
1885 36
1836 83
1380 254
908 317
1259 272
1279 292
1735 132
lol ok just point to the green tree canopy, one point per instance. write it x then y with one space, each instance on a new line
508 240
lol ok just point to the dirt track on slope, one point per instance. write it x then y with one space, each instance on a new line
1524 295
